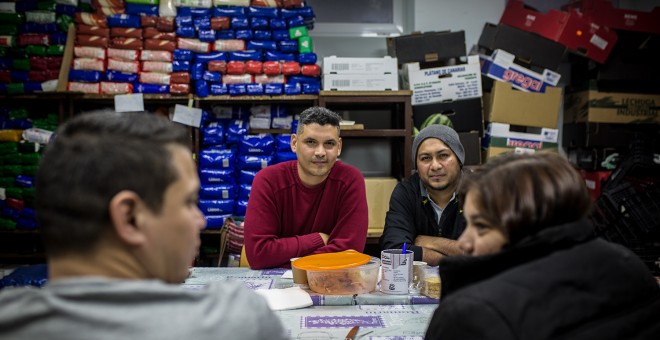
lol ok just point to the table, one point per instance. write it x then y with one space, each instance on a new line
380 316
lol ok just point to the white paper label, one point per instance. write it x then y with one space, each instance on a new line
187 115
133 102
599 42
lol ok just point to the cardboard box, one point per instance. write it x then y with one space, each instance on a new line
502 138
633 64
569 28
611 107
427 47
500 66
511 106
337 65
465 115
437 84
589 135
471 142
532 51
485 99
379 191
361 82
604 13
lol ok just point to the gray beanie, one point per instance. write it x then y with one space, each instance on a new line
442 132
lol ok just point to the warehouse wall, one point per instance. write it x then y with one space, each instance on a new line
421 15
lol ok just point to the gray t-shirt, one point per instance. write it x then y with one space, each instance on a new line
100 308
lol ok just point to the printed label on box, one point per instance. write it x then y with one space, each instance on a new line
500 66
361 82
612 107
336 65
500 139
445 83
504 130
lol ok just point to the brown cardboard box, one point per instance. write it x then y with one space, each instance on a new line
502 138
485 98
610 107
379 190
511 106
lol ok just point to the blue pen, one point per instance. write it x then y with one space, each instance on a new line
403 251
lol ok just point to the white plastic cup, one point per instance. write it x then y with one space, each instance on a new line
397 270
419 273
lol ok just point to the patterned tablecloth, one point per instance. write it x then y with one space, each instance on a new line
272 278
377 322
380 316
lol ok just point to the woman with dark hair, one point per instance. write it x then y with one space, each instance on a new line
537 270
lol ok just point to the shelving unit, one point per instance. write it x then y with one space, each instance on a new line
400 132
301 102
23 246
68 104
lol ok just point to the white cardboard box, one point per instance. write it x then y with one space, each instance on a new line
500 139
500 66
360 82
337 65
446 83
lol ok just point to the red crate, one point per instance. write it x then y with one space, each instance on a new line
570 28
603 12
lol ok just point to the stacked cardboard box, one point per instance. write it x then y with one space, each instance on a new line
528 53
521 122
619 96
434 66
522 102
360 74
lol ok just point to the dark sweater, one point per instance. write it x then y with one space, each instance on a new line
562 283
411 215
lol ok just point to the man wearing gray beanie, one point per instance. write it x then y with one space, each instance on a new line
424 212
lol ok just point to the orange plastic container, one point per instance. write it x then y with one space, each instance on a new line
344 273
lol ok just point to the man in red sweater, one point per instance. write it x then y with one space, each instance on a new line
308 206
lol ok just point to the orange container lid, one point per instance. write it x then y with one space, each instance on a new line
331 261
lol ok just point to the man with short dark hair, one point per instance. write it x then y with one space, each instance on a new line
311 205
424 212
117 208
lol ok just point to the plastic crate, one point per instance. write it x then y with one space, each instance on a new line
628 209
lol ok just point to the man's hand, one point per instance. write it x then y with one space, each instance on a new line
435 248
325 238
431 257
441 245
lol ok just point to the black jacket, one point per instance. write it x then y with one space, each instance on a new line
562 283
410 215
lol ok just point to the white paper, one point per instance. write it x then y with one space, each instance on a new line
133 102
287 298
187 115
287 274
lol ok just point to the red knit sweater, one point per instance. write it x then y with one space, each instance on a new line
284 217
